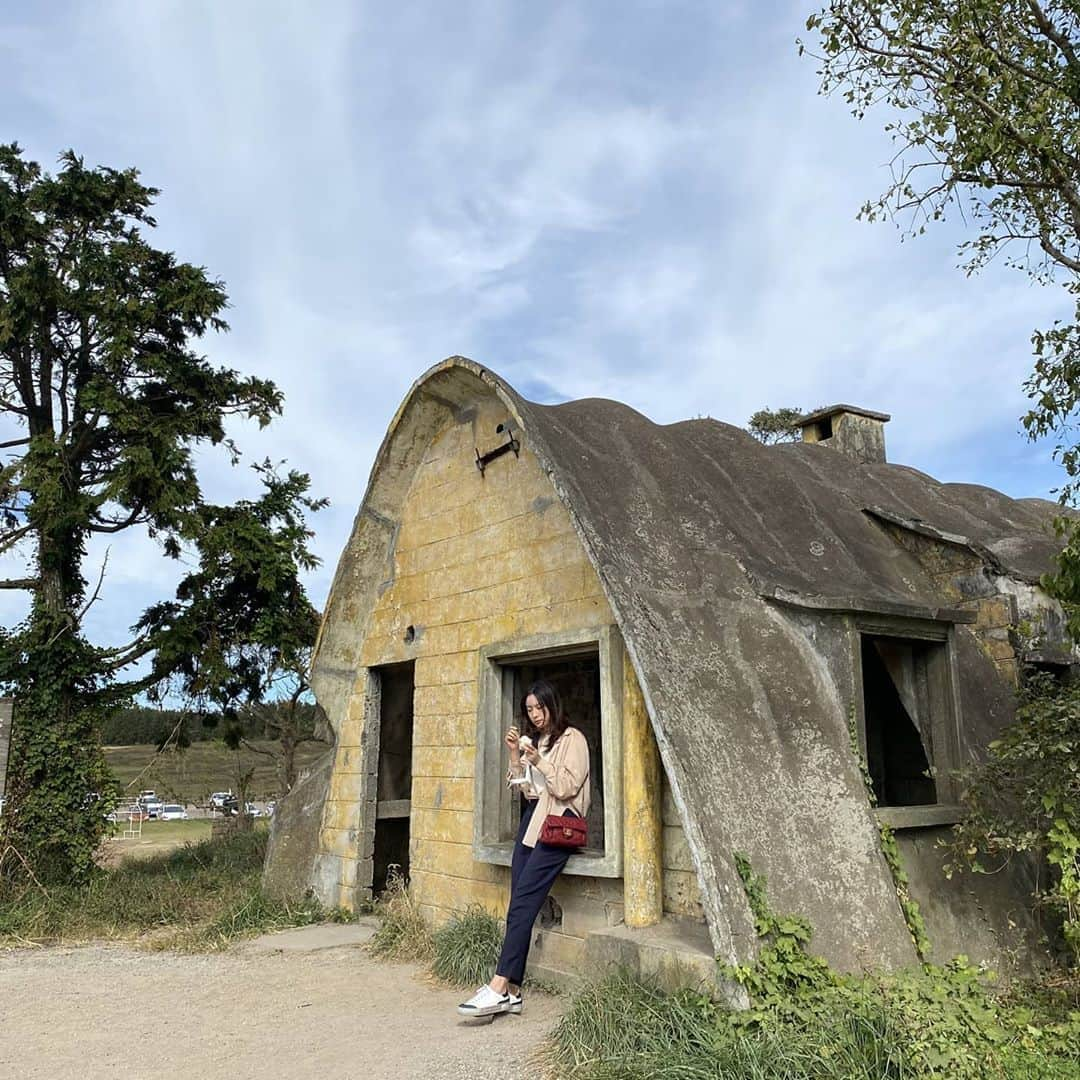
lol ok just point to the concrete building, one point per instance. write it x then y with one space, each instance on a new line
740 630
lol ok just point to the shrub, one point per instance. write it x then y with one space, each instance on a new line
1024 801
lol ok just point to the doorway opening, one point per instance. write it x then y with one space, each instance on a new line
394 784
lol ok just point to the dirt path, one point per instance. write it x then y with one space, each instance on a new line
331 1013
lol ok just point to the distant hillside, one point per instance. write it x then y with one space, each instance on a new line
190 775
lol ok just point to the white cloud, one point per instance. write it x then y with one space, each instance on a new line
641 201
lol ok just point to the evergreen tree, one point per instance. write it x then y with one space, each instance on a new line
105 400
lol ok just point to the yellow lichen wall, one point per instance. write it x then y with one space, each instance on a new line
682 895
478 560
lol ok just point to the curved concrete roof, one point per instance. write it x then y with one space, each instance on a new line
688 526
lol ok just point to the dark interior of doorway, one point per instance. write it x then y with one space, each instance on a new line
394 785
898 721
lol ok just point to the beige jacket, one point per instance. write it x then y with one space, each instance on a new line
565 768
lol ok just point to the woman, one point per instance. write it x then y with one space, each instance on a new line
551 768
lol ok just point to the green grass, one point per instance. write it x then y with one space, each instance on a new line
403 933
188 776
467 948
156 838
197 897
903 1027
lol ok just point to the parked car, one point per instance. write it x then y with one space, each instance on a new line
231 807
173 812
218 799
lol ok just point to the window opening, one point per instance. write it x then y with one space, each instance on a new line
1060 671
394 781
904 700
577 681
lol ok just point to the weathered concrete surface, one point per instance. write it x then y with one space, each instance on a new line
675 953
856 432
6 709
986 917
316 938
714 552
294 832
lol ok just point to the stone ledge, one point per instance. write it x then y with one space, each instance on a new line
676 953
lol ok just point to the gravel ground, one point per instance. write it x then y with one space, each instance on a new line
324 1013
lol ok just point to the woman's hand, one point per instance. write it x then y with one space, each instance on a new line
511 740
531 754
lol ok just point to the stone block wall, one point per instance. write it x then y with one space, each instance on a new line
478 559
682 895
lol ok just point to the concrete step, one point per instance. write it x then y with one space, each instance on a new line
676 953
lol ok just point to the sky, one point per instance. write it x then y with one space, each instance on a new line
645 200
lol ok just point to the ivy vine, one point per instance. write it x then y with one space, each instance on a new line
909 906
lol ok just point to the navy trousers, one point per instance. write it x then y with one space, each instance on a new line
532 873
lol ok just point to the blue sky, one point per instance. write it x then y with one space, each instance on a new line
640 200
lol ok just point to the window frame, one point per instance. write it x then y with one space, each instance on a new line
496 707
945 727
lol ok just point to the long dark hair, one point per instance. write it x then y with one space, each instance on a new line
548 697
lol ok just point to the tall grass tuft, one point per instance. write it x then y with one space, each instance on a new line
467 948
403 933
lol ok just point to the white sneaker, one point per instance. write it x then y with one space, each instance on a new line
485 1002
515 1004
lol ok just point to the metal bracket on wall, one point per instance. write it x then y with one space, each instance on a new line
512 444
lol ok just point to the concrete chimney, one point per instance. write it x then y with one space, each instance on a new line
859 433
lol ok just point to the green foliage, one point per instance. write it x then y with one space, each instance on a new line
982 99
199 896
782 967
775 425
806 1022
1064 583
983 91
292 718
105 404
467 948
1023 801
621 1027
403 933
59 788
915 1026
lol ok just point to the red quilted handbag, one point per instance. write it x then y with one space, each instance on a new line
564 832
